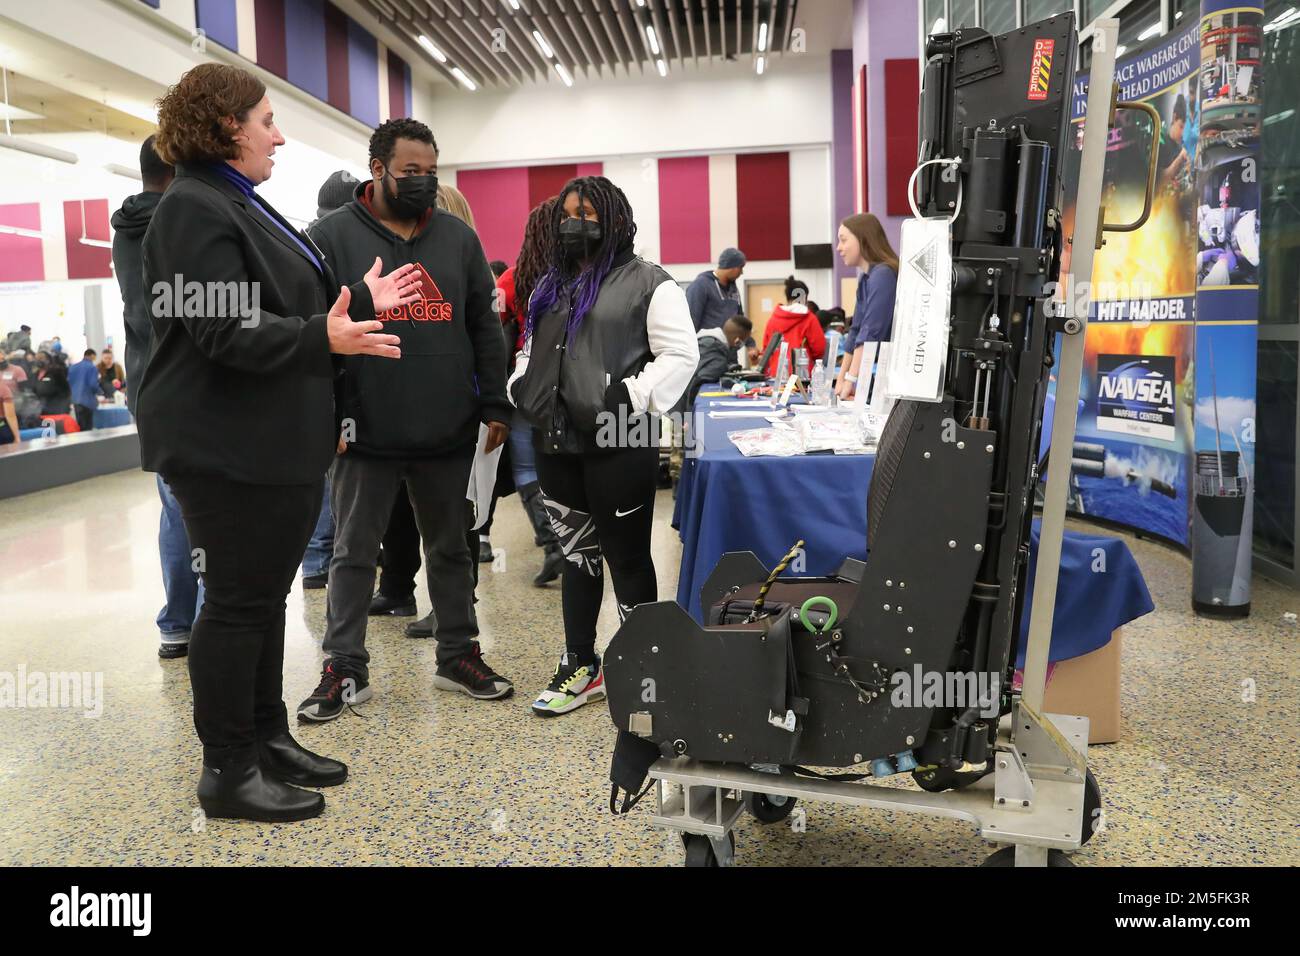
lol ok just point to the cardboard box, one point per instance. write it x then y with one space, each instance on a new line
1088 686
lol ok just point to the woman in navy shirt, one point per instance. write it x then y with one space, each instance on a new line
864 245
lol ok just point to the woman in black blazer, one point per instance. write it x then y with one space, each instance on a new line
236 412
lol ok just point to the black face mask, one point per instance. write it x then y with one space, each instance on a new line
411 196
579 238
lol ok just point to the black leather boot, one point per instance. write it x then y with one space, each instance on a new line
233 786
289 762
552 565
543 535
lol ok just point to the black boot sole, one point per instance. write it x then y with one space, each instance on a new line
217 811
298 781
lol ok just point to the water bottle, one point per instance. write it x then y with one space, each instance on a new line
820 385
801 364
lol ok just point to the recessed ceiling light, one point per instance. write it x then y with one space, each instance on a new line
1149 32
564 74
24 145
654 40
762 36
465 81
434 52
663 67
129 172
761 65
543 45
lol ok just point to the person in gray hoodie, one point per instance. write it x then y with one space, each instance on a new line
182 587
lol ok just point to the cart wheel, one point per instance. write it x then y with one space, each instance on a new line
1091 808
938 779
768 807
699 849
1007 857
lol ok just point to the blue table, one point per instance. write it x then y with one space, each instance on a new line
111 416
726 502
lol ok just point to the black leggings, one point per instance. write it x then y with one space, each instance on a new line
249 541
601 504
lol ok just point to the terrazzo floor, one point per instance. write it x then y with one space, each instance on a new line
1201 776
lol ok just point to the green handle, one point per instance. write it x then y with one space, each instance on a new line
812 602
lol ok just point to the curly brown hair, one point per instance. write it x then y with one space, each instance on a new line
190 114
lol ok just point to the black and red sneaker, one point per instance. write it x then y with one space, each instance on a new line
470 674
339 687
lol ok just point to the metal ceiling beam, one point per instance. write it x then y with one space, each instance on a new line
414 28
588 35
791 7
661 34
477 25
632 48
722 28
533 17
437 25
517 54
560 28
603 16
689 14
518 32
771 29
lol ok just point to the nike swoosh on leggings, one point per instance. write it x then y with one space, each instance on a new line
624 514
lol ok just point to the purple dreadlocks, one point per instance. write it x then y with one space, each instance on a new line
617 232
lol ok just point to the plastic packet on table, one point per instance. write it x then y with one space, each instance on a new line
778 442
870 426
839 433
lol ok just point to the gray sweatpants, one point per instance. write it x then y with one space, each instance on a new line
362 495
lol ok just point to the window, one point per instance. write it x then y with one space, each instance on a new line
1036 10
998 16
933 14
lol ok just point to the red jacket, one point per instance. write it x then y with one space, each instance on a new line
801 330
513 315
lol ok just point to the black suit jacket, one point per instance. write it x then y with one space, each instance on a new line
245 396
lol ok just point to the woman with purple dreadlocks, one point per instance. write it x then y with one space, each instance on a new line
609 347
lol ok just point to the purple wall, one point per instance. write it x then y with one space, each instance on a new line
841 151
882 30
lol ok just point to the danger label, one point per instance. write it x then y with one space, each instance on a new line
1040 68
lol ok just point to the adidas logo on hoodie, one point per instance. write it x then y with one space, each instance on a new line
430 307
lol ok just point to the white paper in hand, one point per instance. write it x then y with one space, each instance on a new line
482 478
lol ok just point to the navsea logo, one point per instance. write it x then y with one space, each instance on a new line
1135 395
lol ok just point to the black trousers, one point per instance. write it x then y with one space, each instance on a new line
601 505
401 546
247 542
85 417
401 551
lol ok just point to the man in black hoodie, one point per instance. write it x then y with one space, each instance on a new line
129 225
182 587
414 422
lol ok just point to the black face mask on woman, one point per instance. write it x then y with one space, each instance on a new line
411 196
579 238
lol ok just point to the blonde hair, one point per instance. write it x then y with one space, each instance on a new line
453 201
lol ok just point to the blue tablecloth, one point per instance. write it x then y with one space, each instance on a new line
726 502
111 416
